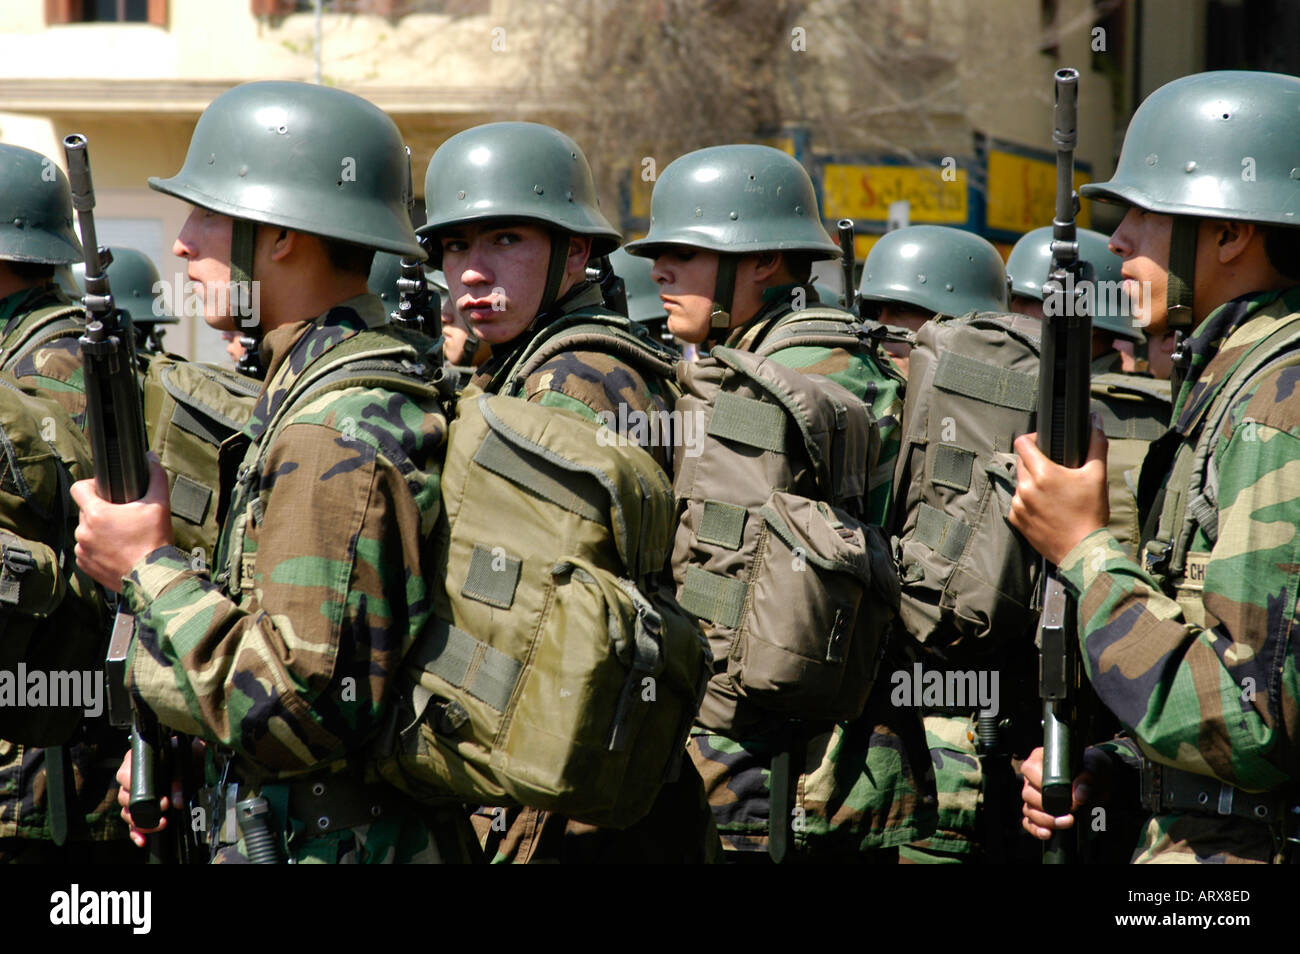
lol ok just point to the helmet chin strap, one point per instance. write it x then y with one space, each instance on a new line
243 237
555 270
1180 291
724 291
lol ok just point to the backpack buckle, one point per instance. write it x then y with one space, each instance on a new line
1155 557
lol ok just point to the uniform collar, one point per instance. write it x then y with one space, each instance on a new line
28 300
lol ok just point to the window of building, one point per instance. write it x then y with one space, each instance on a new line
106 11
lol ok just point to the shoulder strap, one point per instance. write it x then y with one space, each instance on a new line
815 327
605 334
40 328
1198 505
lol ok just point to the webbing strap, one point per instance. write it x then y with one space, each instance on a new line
952 467
492 577
1140 427
722 524
943 534
1182 272
986 382
714 597
467 663
747 421
565 489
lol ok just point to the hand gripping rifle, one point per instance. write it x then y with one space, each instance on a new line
1063 433
115 426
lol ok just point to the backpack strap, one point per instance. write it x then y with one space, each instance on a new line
816 327
1193 489
42 327
613 335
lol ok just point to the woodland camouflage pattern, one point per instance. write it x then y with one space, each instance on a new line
679 828
290 659
55 367
1220 700
867 785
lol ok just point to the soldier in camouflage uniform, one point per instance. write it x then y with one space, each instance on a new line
285 658
1134 408
39 328
1193 650
513 215
911 275
734 231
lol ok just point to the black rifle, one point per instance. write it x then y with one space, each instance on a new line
419 307
612 288
1063 434
115 426
848 263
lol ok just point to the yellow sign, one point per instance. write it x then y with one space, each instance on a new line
1022 193
866 192
640 198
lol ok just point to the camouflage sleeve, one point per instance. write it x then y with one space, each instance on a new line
56 370
1215 700
297 669
596 386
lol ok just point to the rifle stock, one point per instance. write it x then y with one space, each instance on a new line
1063 433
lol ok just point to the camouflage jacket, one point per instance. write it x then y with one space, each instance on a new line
54 367
864 785
678 828
584 382
288 655
1208 681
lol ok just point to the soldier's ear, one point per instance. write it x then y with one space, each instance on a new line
579 252
767 265
1232 238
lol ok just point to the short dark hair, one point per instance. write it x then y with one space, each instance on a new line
799 265
349 258
1282 246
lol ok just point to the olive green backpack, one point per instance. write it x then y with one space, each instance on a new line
968 579
1134 411
771 549
190 409
52 616
560 672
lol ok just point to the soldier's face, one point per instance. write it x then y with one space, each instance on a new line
204 243
496 274
1142 240
686 278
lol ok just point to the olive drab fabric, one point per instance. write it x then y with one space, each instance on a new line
514 171
968 579
303 157
772 549
1134 411
560 673
943 270
190 409
51 614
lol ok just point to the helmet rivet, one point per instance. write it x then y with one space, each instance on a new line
1152 159
1295 173
948 286
282 130
538 189
569 195
734 215
243 170
921 279
460 194
698 212
19 222
798 210
1190 167
212 158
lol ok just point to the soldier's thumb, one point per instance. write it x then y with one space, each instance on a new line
1097 443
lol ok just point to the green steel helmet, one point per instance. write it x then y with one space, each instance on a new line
134 279
515 171
737 199
1031 260
943 270
385 270
302 157
35 210
643 302
1213 145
